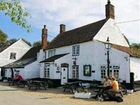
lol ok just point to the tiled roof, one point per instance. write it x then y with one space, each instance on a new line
53 58
132 52
28 58
78 35
32 52
20 63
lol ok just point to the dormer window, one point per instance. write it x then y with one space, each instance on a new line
51 53
75 50
13 55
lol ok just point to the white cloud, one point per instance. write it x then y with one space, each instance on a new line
75 13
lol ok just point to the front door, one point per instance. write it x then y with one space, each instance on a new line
64 74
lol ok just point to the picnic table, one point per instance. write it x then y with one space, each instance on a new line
19 83
36 84
73 86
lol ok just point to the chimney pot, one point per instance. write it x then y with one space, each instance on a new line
62 28
110 12
44 37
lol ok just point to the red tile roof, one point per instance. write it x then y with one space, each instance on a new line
131 51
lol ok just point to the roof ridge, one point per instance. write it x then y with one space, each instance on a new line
84 26
78 35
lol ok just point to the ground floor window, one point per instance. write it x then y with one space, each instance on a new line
103 72
75 71
113 71
47 71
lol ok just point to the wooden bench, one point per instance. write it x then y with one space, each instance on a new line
35 84
73 86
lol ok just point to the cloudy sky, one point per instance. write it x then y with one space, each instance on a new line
74 13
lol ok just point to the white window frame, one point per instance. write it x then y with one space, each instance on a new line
51 53
103 72
75 72
47 71
76 50
113 71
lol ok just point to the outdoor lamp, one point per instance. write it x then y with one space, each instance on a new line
108 47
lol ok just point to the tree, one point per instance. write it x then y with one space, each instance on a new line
11 41
37 43
135 46
3 37
16 12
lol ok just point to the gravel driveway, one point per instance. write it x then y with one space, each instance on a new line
19 96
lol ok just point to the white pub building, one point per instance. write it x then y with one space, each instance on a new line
81 53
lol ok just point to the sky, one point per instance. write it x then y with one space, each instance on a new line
73 13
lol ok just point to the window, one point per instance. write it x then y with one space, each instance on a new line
12 55
116 74
113 71
87 70
103 72
75 72
76 50
47 71
51 53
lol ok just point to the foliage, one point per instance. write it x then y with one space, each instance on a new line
27 42
16 12
135 46
11 41
3 37
37 43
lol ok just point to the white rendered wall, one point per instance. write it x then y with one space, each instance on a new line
92 53
135 67
31 70
40 57
19 47
111 30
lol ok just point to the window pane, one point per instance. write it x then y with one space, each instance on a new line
75 50
12 55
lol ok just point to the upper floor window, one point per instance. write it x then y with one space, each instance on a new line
75 50
12 55
51 53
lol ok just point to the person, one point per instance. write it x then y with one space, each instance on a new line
115 85
115 90
107 82
18 78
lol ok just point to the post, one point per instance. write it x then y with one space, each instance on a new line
108 62
108 46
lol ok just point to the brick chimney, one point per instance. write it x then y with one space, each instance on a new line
62 28
44 38
110 11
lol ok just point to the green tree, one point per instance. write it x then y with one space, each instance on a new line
16 12
135 46
11 41
37 43
3 37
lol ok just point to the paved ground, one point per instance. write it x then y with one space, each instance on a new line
17 96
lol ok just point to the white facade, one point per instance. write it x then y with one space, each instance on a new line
135 67
28 72
111 30
91 53
19 48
